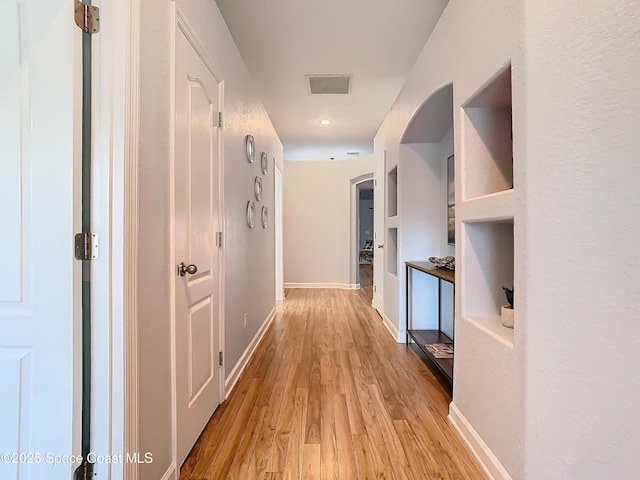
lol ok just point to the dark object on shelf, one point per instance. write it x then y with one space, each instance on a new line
509 293
444 262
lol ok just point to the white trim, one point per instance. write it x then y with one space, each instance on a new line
115 206
239 367
343 286
393 330
487 460
279 233
130 268
171 473
189 32
172 241
354 225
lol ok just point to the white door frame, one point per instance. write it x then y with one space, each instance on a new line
354 248
183 24
277 179
115 219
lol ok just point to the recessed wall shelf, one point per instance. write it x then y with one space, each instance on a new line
391 248
392 192
488 266
488 208
488 139
492 326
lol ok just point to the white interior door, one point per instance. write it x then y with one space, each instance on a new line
378 228
39 193
279 235
197 216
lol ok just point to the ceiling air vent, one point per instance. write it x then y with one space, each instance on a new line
353 153
329 84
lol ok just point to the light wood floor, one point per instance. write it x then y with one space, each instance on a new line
330 395
366 282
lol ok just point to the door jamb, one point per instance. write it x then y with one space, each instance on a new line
116 213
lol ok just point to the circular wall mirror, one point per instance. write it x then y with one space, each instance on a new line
257 188
264 163
250 211
249 148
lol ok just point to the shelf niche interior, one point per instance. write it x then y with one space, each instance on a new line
488 144
392 192
392 250
489 266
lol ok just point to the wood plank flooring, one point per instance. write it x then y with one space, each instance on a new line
330 395
366 282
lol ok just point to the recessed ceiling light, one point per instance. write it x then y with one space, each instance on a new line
325 122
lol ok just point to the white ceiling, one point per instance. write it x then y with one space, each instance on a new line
376 41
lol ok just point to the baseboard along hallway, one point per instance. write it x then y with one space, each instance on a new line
329 394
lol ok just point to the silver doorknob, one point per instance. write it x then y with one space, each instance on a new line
380 245
184 269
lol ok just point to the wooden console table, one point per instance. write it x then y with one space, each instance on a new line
441 367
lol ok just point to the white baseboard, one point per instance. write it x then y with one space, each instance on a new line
487 460
171 473
239 367
343 286
393 330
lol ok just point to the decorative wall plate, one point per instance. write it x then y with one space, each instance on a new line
257 188
251 207
264 163
264 216
249 148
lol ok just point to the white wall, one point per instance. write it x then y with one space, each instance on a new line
249 254
472 41
582 217
154 316
317 220
565 407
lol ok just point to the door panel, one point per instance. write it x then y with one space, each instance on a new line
11 96
39 285
196 222
201 373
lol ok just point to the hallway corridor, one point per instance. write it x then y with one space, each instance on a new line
330 395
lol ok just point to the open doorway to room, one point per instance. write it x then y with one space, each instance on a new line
365 239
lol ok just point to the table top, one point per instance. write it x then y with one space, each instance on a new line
428 268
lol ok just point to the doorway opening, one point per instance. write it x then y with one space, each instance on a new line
365 239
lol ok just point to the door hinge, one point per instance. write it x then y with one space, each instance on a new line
219 239
87 17
219 120
87 246
375 183
375 288
220 359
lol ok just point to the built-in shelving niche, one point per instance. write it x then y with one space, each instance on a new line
392 192
392 250
487 139
488 266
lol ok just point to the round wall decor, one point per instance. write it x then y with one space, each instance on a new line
264 216
257 188
251 207
249 148
264 163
